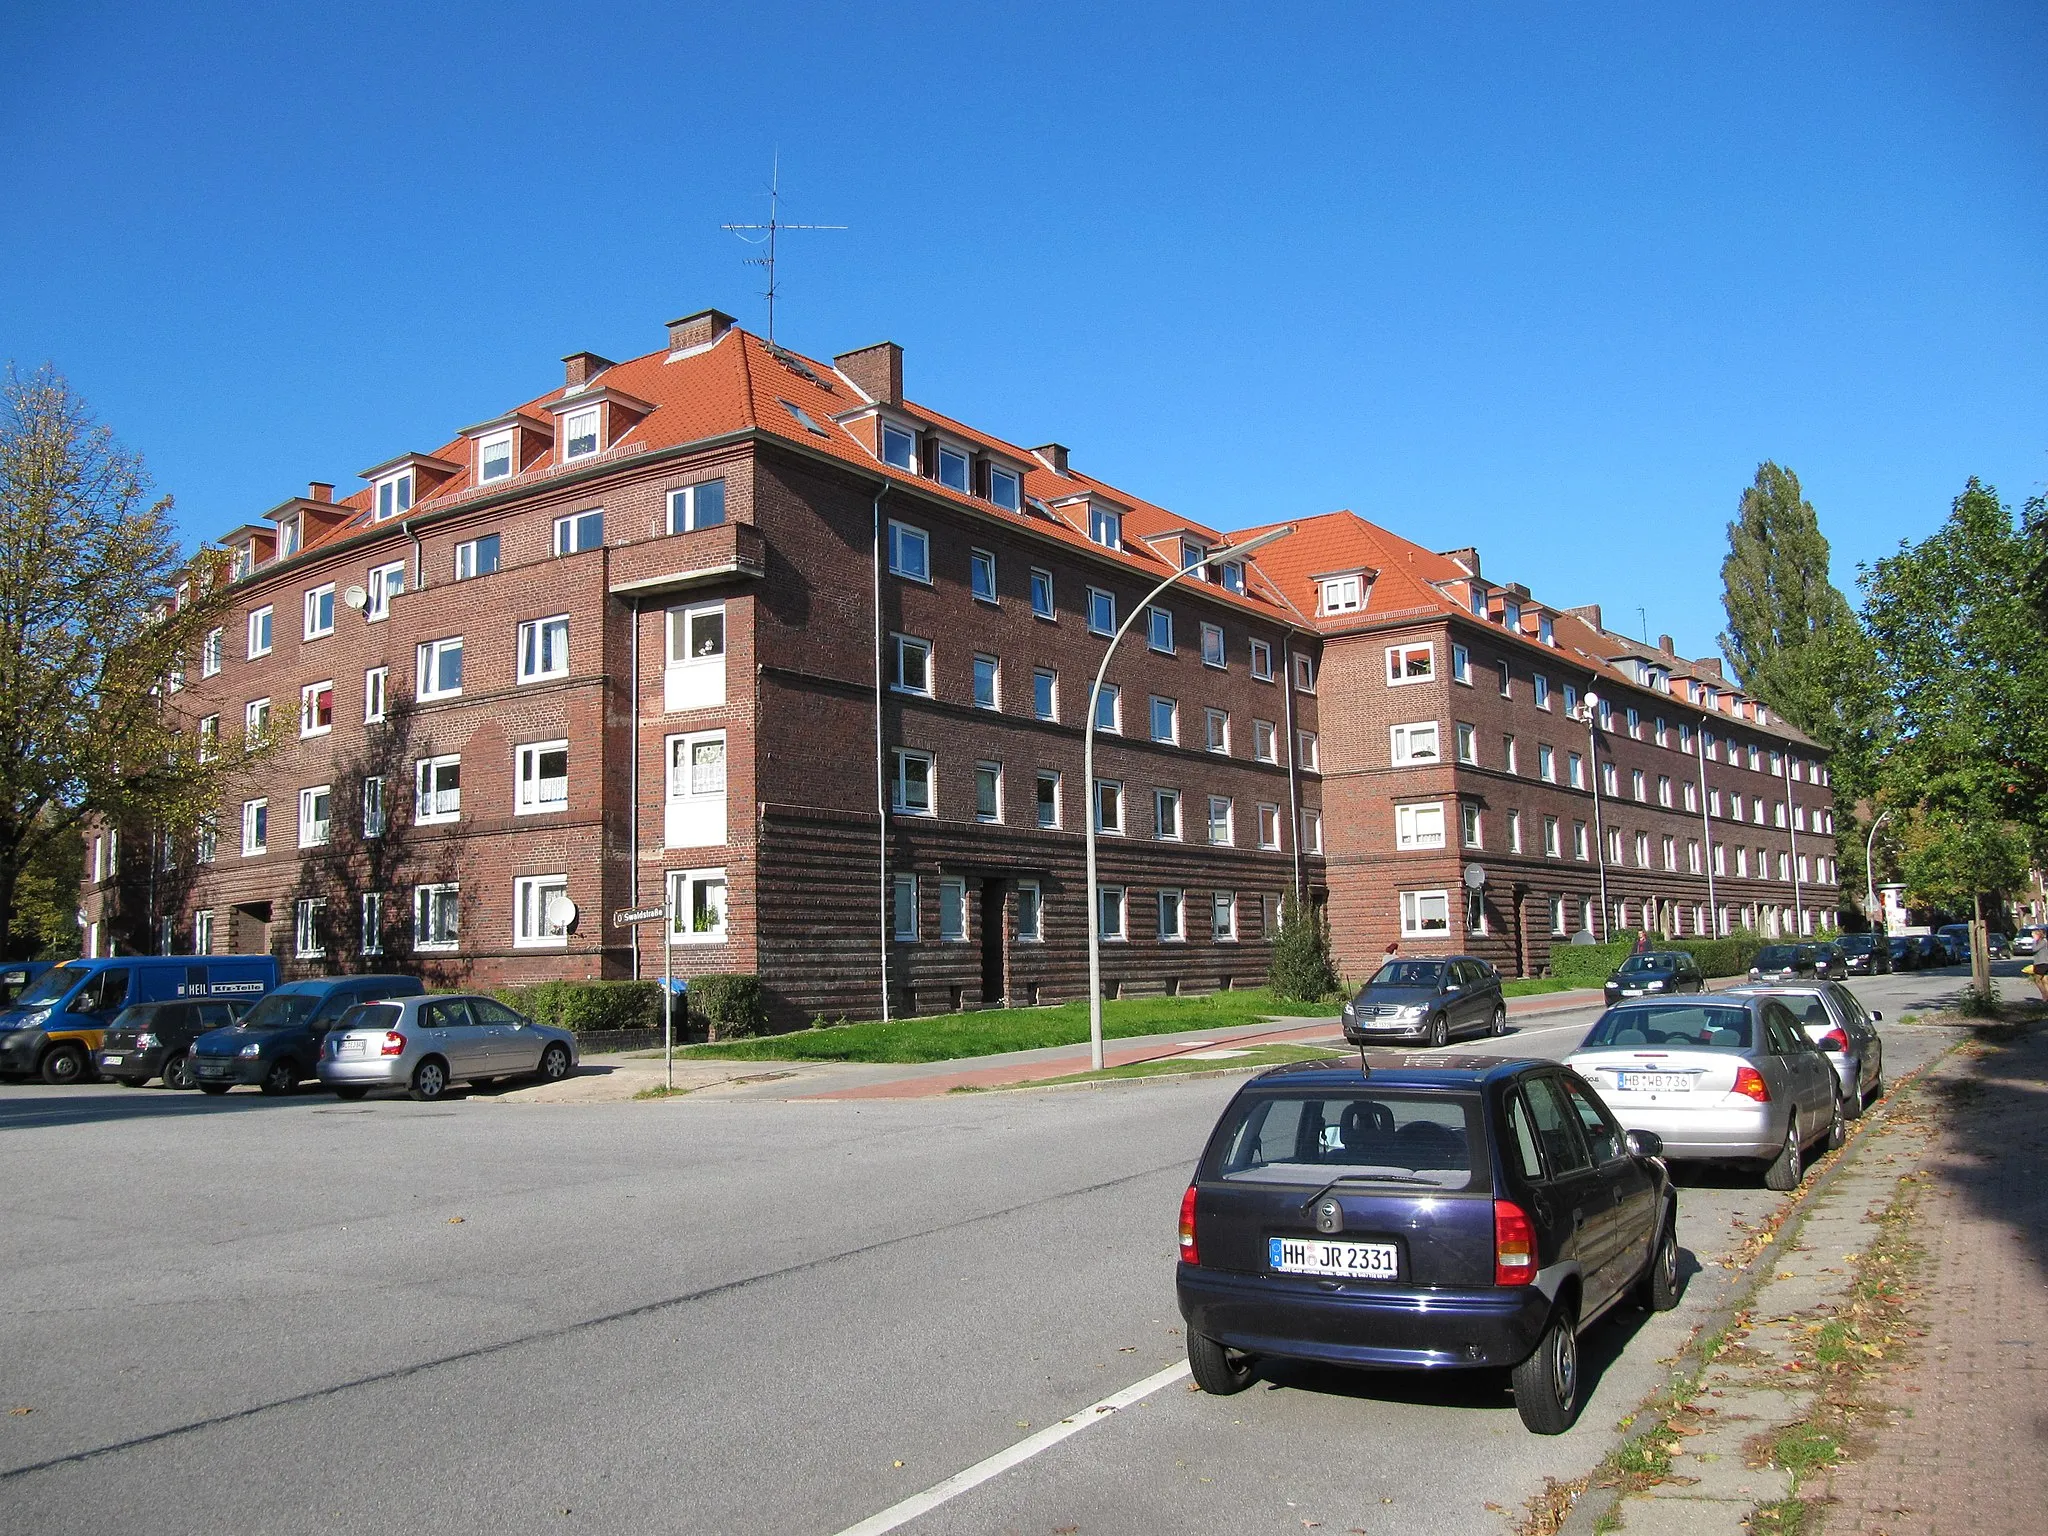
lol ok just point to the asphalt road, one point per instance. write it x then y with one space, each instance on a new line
698 1315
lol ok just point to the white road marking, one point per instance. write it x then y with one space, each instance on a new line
917 1504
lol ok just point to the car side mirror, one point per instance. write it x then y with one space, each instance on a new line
1645 1144
1876 1017
1450 986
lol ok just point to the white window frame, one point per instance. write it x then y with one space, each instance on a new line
427 908
901 781
1030 912
486 447
429 802
1222 828
262 621
1166 818
1553 844
1111 695
1269 825
1466 743
1159 629
1216 731
202 931
1214 653
255 721
683 622
568 531
1308 752
1105 526
991 667
314 830
901 646
469 554
1265 742
1304 673
686 510
1171 736
385 582
1403 742
981 570
685 888
1112 790
1049 677
998 479
1417 910
255 828
1110 904
210 653
1099 597
1053 777
903 905
1172 907
1262 661
594 414
1041 586
1223 917
429 659
910 552
1402 658
534 637
1311 831
376 695
316 600
954 468
306 941
531 924
1343 594
1540 686
373 805
952 908
892 438
528 783
989 772
309 724
1413 824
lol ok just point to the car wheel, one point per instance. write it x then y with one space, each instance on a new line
1440 1031
65 1064
1838 1132
280 1079
1500 1019
429 1081
178 1072
215 1089
1547 1383
554 1062
1217 1370
1784 1173
350 1091
1659 1289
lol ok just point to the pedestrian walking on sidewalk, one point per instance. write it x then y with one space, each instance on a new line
2036 971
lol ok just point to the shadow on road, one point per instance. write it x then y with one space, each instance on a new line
34 1106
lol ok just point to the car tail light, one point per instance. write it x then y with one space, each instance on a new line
1834 1040
394 1044
1514 1245
1188 1253
1750 1084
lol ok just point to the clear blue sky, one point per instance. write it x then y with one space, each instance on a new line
1550 280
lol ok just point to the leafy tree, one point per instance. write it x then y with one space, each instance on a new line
1788 626
99 611
1302 968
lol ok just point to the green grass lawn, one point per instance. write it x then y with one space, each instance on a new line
1530 986
950 1036
1254 1056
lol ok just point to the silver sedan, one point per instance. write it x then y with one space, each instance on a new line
1724 1078
422 1044
1835 1020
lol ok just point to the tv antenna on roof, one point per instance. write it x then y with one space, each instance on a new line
764 235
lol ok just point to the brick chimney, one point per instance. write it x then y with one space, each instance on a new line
876 371
319 490
1710 667
1664 645
1466 560
1589 612
698 330
582 367
1054 456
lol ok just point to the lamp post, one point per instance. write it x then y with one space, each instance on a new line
1088 784
1869 876
1590 706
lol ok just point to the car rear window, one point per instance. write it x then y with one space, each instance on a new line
1777 954
1313 1137
370 1016
1705 1027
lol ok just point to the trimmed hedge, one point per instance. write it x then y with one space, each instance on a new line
588 1007
733 1005
1587 965
1721 957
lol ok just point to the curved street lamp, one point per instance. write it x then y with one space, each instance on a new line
1093 805
1869 875
1589 708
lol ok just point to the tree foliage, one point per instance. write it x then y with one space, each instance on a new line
1302 968
1788 626
91 628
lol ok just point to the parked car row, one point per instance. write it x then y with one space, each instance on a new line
214 1024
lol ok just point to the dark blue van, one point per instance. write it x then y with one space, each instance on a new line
276 1044
55 1027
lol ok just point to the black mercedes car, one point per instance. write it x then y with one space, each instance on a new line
1427 1000
1421 1213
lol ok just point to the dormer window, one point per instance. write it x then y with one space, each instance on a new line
394 496
1543 630
1511 615
1105 527
244 561
1343 594
1005 489
1193 557
1475 596
494 458
287 538
953 469
579 435
899 447
1233 576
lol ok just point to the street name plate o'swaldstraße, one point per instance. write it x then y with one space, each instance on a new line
626 917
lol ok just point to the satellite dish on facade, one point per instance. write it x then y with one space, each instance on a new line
569 915
1475 876
356 598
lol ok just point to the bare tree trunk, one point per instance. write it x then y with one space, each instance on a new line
1980 951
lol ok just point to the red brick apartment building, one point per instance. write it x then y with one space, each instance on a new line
757 630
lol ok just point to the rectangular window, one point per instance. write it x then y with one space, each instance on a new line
1692 856
1212 645
952 911
1166 815
1510 759
259 632
1614 845
988 692
1223 917
544 648
1720 858
1581 849
697 897
316 816
691 507
1575 770
209 654
437 789
1636 785
1269 826
1418 826
1514 831
903 908
913 786
1742 862
1265 742
981 570
1105 527
913 664
1642 850
1425 914
1048 798
1469 815
494 458
386 582
440 668
1171 910
1101 612
1233 576
202 931
579 434
1546 763
1550 841
320 611
1558 918
1571 700
696 768
376 694
540 905
696 635
1109 708
1416 743
988 792
1671 853
1262 661
307 915
1109 806
580 531
1343 594
1109 911
1305 674
1159 629
1307 751
436 916
1664 790
373 806
899 450
476 557
255 826
209 738
1468 744
1005 489
1311 831
255 722
1222 822
1041 593
1713 802
1410 664
1461 665
1045 693
953 468
1691 796
394 496
1684 737
1216 730
1610 780
1507 682
205 842
1635 723
1165 719
316 709
1540 686
543 777
1030 913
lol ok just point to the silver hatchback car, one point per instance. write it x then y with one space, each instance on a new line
422 1044
1835 1019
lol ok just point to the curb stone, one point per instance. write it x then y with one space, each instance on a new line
1724 1486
